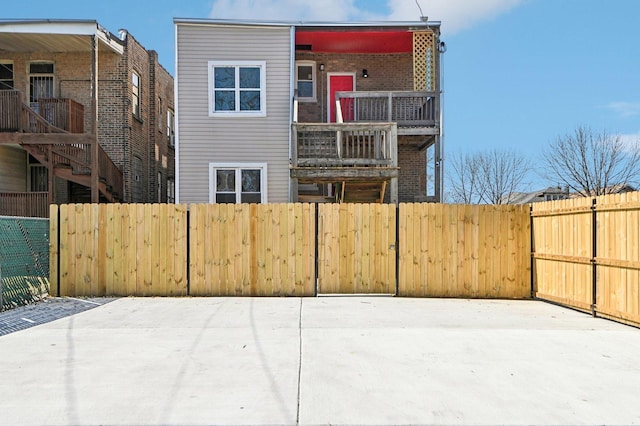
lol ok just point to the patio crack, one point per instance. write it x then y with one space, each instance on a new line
299 360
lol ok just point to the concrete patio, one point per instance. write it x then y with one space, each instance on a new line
337 360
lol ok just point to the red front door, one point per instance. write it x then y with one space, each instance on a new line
340 83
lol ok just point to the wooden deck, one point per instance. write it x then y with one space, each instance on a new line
345 151
351 155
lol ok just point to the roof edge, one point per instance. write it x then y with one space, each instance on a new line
246 22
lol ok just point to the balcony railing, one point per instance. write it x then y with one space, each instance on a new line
407 109
53 116
26 204
110 174
10 110
65 114
344 144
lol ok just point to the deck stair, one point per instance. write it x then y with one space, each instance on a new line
66 150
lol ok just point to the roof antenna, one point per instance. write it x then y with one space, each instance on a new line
422 17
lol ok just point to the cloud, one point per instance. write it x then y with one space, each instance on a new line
625 109
286 10
631 140
456 15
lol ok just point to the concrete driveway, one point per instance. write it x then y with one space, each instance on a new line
326 360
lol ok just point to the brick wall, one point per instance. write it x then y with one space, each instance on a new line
412 177
163 155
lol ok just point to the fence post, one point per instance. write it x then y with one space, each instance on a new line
594 253
396 249
188 250
317 249
533 250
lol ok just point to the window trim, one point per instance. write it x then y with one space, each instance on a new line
30 75
238 167
237 113
312 64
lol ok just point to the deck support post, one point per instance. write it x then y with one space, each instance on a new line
95 194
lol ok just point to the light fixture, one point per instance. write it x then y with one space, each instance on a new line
365 73
321 67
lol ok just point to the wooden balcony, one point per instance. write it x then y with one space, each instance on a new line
55 137
344 149
25 204
53 116
415 113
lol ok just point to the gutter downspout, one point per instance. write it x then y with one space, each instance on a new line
293 184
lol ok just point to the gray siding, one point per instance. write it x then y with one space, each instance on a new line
13 169
204 139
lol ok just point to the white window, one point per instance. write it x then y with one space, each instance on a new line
41 84
306 81
237 183
237 89
135 92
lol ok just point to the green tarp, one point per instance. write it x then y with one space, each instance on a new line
24 260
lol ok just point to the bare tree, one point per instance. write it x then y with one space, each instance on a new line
592 162
501 173
487 177
463 180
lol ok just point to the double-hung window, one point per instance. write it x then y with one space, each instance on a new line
237 88
171 128
135 94
306 81
237 183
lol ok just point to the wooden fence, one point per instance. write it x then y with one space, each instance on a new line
479 251
252 250
356 248
586 254
419 250
118 249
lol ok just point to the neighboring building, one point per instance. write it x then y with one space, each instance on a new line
551 193
620 188
554 193
277 112
49 72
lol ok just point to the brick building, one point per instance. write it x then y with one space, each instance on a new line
48 72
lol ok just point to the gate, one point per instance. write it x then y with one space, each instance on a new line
356 248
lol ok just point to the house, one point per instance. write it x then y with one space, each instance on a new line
551 193
554 193
295 111
65 84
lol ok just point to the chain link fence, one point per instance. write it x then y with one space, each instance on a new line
24 260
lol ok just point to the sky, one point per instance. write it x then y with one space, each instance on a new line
517 73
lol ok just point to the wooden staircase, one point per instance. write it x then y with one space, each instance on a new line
67 155
362 192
